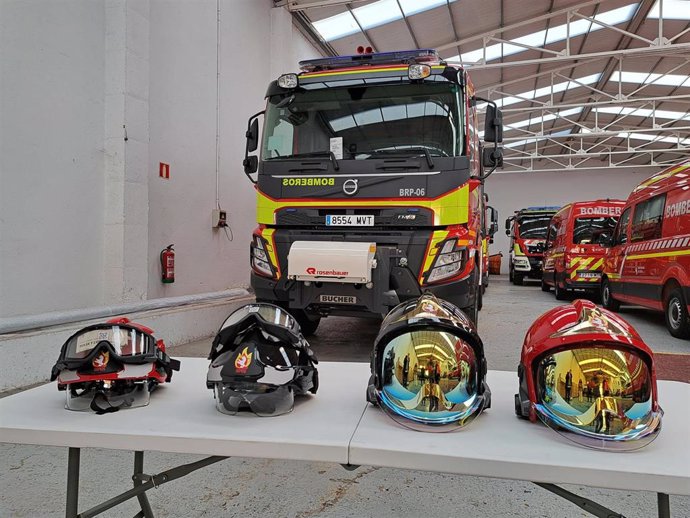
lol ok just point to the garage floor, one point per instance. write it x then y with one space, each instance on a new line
33 479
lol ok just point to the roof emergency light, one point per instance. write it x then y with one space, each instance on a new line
374 58
418 71
288 81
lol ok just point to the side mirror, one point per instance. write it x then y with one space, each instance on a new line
493 228
493 124
251 164
253 136
508 221
492 157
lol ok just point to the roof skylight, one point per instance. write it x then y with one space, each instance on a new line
673 10
519 143
644 112
654 138
551 35
546 90
370 16
657 79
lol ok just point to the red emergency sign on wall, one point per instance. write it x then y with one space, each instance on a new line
164 170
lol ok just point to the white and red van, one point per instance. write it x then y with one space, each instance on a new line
574 259
648 259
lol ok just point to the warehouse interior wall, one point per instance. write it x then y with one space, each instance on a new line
514 191
94 96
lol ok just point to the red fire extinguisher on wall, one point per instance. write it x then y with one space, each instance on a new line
168 264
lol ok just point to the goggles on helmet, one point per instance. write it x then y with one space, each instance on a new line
428 367
259 361
105 367
592 380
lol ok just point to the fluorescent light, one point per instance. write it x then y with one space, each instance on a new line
552 35
370 16
538 120
337 26
673 10
642 78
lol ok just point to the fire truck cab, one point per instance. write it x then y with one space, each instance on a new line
370 185
527 231
574 257
648 257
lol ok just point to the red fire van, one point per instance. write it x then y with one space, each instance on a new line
648 259
574 259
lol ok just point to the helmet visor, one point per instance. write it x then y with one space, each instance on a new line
599 397
263 400
429 381
104 397
125 341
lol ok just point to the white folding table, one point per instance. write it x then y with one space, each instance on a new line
337 425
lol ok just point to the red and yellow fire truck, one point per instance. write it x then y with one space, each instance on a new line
527 231
648 256
369 186
574 258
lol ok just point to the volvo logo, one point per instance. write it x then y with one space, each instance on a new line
350 187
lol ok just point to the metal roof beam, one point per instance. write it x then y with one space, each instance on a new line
684 98
301 5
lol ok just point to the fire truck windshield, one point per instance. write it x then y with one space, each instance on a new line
372 121
534 227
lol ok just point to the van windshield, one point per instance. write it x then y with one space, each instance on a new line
586 227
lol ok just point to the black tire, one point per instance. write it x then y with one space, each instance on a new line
607 299
480 297
561 293
307 323
510 274
517 279
676 314
545 287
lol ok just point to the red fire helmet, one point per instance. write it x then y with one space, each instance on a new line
112 365
586 373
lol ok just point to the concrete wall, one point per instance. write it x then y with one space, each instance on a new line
94 96
511 192
51 155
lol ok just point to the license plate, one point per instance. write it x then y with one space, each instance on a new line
589 275
349 221
338 299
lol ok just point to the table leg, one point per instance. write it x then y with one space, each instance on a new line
146 510
71 509
664 505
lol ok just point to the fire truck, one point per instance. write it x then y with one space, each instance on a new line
527 231
648 257
369 185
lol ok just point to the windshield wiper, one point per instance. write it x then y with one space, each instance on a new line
325 154
402 152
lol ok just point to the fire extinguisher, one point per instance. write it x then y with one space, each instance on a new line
168 264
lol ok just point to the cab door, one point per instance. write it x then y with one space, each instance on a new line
615 258
548 272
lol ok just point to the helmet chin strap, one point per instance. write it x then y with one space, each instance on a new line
101 405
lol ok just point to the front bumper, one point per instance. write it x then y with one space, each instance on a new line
528 266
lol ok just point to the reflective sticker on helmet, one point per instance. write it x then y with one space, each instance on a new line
90 339
100 362
243 361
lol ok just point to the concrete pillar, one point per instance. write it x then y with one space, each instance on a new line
126 147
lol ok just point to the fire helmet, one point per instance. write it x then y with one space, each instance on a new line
587 374
260 361
428 370
113 365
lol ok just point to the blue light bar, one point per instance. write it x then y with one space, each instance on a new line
554 207
377 58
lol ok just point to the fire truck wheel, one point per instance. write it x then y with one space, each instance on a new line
545 287
676 311
510 274
561 293
480 297
517 279
607 299
307 323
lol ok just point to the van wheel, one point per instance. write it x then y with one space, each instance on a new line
676 312
607 299
517 279
561 293
545 287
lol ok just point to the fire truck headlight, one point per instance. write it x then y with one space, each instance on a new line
288 81
418 71
260 260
